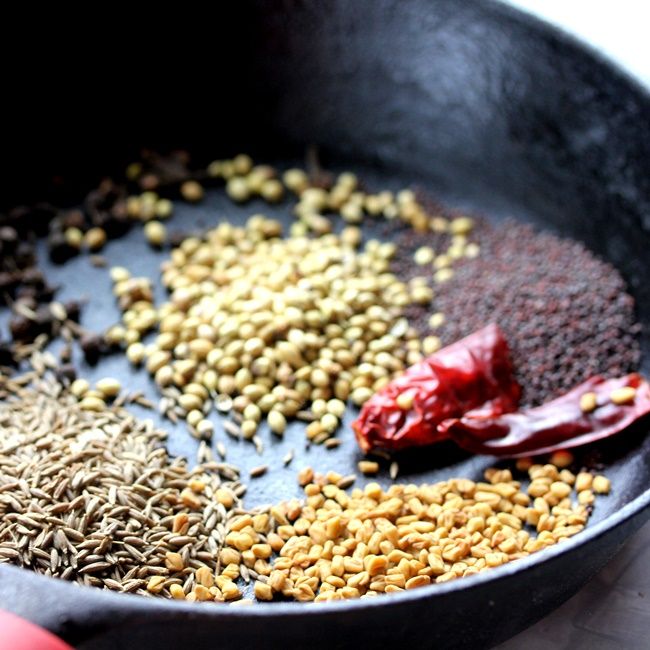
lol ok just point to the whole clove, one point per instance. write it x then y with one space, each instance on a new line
93 347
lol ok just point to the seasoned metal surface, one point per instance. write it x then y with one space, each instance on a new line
485 108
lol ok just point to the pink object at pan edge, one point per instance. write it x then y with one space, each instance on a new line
18 634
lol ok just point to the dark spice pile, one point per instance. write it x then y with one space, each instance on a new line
566 313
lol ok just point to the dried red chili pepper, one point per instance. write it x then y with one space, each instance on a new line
559 424
473 374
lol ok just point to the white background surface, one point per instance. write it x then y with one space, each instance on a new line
620 29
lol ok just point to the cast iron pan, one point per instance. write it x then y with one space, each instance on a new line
483 106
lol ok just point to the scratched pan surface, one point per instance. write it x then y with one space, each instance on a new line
487 109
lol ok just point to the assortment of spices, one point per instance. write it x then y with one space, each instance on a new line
91 495
471 375
467 392
271 327
565 313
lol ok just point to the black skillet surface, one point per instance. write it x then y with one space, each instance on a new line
486 108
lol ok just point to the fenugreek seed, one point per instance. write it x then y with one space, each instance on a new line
585 497
583 481
190 499
305 476
263 591
177 592
393 470
204 577
155 584
601 485
368 467
623 395
418 581
560 490
202 593
181 521
174 561
562 459
230 591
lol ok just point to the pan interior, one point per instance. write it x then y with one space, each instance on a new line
492 122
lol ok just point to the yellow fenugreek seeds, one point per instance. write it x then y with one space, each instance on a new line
338 545
373 541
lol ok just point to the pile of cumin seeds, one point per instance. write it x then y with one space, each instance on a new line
94 498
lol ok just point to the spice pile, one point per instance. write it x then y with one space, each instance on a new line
337 545
565 313
92 496
270 326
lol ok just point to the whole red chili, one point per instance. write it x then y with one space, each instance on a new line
559 424
471 375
